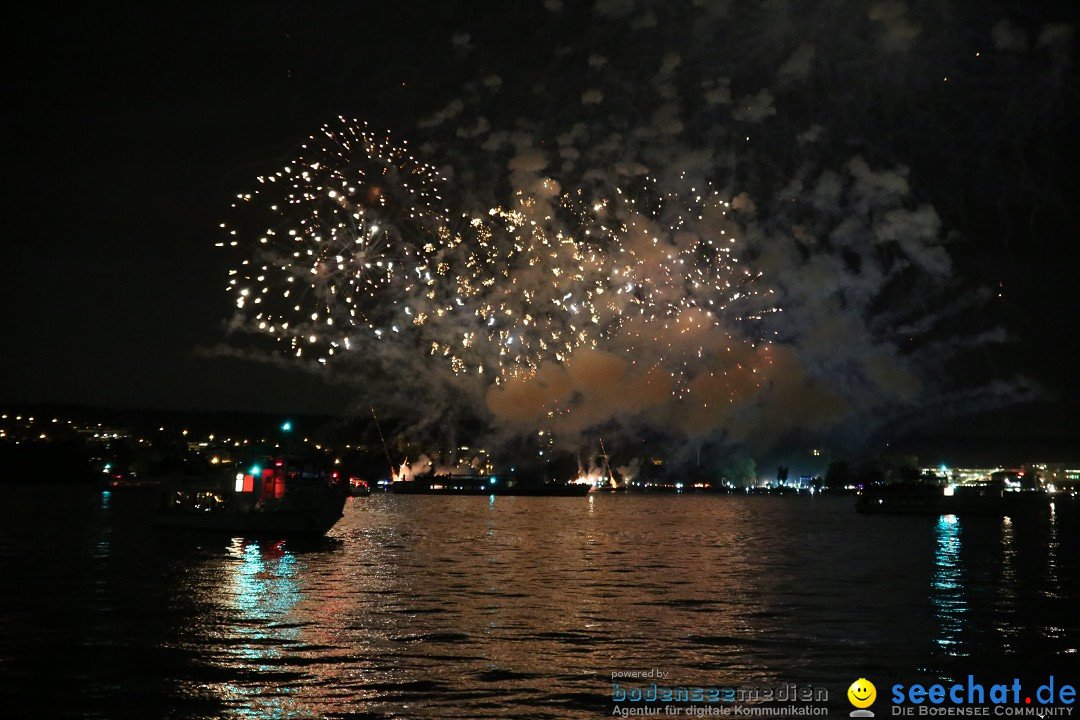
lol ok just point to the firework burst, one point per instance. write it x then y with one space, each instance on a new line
351 238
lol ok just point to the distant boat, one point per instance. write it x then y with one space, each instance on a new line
278 499
127 481
484 485
983 498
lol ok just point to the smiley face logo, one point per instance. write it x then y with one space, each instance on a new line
862 693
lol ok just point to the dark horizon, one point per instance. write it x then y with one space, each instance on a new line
1012 437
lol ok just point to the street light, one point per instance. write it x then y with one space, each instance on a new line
286 428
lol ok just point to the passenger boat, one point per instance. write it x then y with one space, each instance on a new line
271 498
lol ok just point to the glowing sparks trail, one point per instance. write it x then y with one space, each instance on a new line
363 249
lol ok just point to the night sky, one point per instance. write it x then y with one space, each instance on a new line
131 127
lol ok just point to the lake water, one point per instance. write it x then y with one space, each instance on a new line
475 607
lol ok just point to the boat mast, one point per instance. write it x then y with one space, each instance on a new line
611 478
389 462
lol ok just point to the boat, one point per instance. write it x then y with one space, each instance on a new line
484 485
271 498
127 481
359 487
980 498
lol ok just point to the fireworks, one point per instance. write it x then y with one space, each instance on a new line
362 249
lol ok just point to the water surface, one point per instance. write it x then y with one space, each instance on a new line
475 607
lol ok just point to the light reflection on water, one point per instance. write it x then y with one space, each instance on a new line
947 587
1053 547
1053 589
263 594
522 607
1005 598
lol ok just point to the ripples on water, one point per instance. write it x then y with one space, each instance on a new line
422 606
